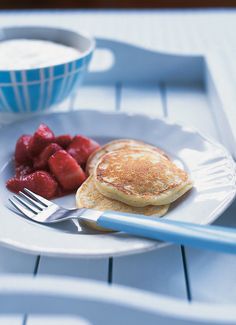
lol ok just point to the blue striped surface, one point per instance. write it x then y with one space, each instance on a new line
38 89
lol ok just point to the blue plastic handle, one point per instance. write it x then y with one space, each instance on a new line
200 236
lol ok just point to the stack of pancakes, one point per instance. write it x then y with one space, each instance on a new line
132 176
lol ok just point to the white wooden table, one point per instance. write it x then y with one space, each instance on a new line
189 274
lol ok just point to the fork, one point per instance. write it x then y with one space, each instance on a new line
41 210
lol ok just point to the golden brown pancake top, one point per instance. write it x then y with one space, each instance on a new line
139 172
117 145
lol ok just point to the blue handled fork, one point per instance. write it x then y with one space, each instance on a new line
38 209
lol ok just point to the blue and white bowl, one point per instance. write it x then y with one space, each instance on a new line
34 90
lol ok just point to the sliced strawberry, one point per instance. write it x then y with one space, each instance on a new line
39 182
64 140
66 170
42 137
22 154
22 170
81 147
62 192
41 161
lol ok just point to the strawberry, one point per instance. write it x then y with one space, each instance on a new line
39 182
81 147
22 154
41 161
63 140
42 137
66 170
22 170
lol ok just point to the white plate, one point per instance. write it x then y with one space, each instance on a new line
210 165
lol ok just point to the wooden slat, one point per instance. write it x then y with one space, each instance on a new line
141 99
95 97
55 320
211 275
189 105
14 262
160 270
96 269
220 81
11 320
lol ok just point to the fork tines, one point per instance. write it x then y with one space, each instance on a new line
29 203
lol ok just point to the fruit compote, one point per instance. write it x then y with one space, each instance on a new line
50 165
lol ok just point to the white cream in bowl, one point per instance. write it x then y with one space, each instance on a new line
20 54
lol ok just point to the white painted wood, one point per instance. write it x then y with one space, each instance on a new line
144 99
95 97
223 72
14 262
212 275
96 269
189 105
159 271
218 89
56 320
102 304
11 320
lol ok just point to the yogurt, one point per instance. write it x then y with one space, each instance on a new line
20 54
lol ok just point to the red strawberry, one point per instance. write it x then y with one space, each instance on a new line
41 161
64 140
22 154
66 170
81 147
42 137
23 170
39 182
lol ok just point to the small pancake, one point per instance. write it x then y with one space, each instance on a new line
88 196
113 146
140 177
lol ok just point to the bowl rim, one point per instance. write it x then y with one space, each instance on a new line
89 51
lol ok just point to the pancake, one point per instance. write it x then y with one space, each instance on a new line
88 196
113 146
140 177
